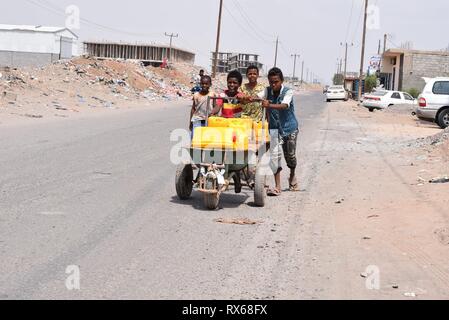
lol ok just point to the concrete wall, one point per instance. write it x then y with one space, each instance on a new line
28 41
418 65
39 42
387 67
26 59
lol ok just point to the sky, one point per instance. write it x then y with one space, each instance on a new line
313 29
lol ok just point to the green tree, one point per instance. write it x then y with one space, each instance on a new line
370 83
413 92
338 79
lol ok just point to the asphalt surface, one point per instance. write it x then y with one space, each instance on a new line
98 193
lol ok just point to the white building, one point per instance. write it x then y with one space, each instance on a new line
35 45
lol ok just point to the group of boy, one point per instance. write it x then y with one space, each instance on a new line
276 101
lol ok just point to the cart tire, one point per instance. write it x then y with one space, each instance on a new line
211 200
184 181
260 192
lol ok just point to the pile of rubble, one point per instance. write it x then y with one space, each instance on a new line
435 140
93 82
439 138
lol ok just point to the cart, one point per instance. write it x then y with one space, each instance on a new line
213 167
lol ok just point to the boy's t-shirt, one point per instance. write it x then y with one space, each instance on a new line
252 110
200 102
230 107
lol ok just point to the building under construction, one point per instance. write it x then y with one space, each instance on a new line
151 54
227 61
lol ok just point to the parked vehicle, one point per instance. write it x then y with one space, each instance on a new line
337 93
385 98
433 103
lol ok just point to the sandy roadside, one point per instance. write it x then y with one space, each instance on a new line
376 209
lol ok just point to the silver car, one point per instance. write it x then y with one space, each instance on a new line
433 103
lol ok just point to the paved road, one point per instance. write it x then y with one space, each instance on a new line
98 193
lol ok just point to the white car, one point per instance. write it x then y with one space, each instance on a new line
337 93
384 99
434 101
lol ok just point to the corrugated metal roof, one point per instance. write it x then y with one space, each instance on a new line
12 27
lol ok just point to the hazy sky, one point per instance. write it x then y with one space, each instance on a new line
312 28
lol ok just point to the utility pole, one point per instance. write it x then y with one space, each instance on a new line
172 35
346 63
363 50
217 46
378 49
294 64
336 72
302 73
385 42
276 53
307 78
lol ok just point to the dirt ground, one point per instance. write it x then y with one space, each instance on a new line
87 85
378 209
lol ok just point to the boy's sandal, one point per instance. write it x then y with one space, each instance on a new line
273 192
294 186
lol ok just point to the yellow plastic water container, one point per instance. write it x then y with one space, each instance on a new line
218 122
243 123
257 127
220 138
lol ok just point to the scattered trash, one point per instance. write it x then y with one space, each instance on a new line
364 275
395 286
238 221
36 116
440 180
88 82
373 216
9 96
366 238
442 235
410 294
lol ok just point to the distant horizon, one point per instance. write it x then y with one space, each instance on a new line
312 29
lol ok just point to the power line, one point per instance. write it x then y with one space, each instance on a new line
350 20
284 50
250 22
251 35
388 39
358 23
57 10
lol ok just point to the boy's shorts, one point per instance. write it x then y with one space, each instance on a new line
289 147
275 151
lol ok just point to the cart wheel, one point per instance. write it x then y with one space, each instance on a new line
260 192
211 200
184 181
